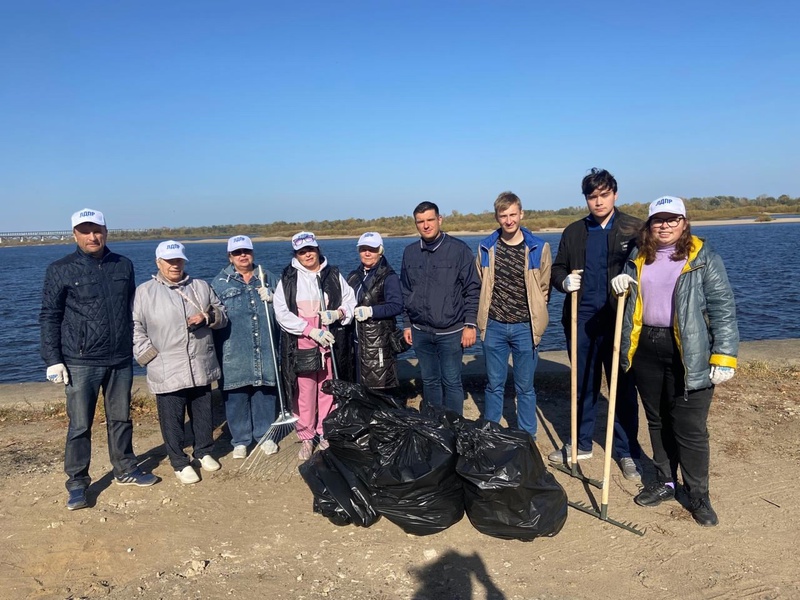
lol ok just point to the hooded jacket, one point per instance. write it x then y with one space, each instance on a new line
297 302
176 358
537 280
704 323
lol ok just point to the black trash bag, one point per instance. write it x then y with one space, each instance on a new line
338 493
414 484
508 492
347 427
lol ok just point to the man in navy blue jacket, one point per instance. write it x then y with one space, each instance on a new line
87 345
441 290
591 252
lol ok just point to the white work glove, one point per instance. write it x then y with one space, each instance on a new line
573 281
322 337
621 282
720 374
264 294
329 316
58 374
363 313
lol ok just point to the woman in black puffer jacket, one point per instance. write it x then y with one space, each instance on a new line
379 300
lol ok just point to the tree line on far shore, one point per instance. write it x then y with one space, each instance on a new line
700 209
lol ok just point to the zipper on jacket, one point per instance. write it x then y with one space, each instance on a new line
677 330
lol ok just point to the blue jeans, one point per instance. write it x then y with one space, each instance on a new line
250 411
440 366
84 386
500 340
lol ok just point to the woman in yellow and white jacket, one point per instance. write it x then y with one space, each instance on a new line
680 339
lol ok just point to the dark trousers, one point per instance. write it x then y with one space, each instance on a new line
595 351
677 418
172 410
84 386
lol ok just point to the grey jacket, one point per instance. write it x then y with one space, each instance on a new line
704 323
176 358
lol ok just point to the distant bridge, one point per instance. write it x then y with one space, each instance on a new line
53 235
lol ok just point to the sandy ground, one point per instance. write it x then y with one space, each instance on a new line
250 533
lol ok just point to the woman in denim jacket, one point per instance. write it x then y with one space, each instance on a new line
248 372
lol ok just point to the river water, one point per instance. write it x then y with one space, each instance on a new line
760 260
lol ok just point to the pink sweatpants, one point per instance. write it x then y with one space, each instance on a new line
313 405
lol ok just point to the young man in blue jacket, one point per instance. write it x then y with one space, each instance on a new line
440 295
591 252
87 345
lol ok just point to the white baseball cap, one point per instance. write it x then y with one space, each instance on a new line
238 242
171 249
303 239
371 239
88 215
667 204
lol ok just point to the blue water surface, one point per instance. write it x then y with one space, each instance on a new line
760 260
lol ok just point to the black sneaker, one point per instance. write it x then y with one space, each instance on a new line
702 512
654 494
77 499
136 477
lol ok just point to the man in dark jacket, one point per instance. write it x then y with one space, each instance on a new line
592 251
87 345
441 290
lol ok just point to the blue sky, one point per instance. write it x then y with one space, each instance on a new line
199 113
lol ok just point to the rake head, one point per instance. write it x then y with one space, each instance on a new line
574 472
603 516
285 417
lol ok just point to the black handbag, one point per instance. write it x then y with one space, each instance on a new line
308 360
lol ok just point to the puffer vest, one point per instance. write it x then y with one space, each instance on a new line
341 347
376 359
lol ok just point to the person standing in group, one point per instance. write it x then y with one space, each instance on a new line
377 291
243 348
680 339
591 252
86 344
173 315
312 303
514 268
440 296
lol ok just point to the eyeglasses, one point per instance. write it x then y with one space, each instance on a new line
241 251
672 222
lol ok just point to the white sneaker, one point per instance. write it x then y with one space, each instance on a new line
209 463
269 447
240 451
187 475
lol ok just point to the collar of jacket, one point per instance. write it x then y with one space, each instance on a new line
697 245
88 257
232 273
173 284
432 248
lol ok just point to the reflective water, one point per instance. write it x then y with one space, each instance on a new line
760 260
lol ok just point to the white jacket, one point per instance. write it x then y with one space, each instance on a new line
176 358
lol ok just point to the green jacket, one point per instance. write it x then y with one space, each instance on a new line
704 323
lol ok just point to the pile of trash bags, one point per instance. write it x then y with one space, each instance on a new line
423 471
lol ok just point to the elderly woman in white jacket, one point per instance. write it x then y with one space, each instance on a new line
173 315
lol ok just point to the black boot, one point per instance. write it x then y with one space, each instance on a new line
702 511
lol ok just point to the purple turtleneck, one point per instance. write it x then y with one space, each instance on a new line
658 288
